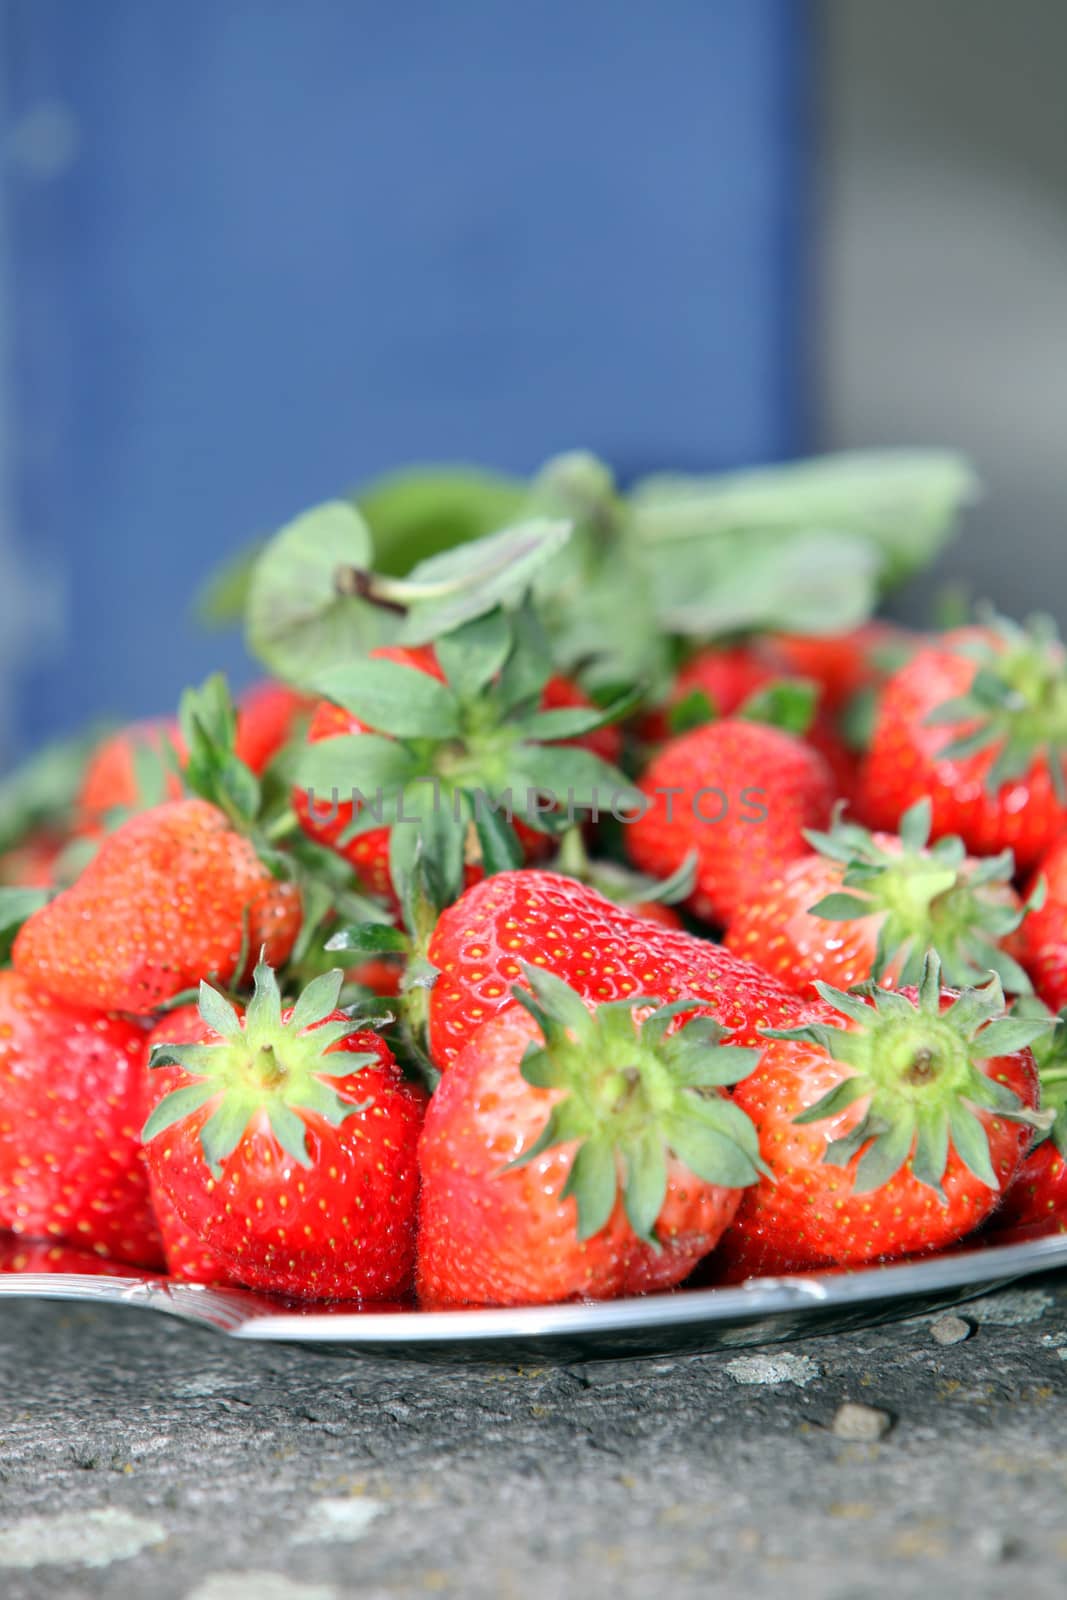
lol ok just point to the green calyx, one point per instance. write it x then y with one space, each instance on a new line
634 1094
451 764
1017 703
918 1066
263 1065
929 897
622 884
1050 1056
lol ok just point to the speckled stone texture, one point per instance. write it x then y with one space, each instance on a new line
141 1457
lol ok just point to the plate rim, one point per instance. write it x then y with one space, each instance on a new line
243 1315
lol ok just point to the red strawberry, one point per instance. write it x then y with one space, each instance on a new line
268 715
125 765
842 664
70 1155
891 1125
725 676
1037 1199
871 905
740 794
496 728
286 1140
603 951
187 1258
1044 933
573 1152
978 722
173 896
18 1254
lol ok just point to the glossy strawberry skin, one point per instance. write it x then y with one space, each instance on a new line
368 853
70 1154
603 950
492 1237
776 930
808 1216
1037 1198
161 906
904 764
739 794
342 1228
1043 935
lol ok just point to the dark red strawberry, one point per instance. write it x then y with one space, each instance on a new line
842 664
603 951
738 793
573 1152
891 1124
285 1141
173 896
70 1154
268 716
870 906
977 722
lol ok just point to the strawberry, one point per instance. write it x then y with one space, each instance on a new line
286 1142
19 1254
125 772
1037 1199
173 896
268 716
724 677
977 721
891 1124
870 905
187 1258
573 1151
603 951
740 794
476 729
1044 933
842 664
70 1156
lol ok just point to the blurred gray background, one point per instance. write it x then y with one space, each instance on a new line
942 297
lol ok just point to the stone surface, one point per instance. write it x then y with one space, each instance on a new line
860 1424
950 1330
206 1470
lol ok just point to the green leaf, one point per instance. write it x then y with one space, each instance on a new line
368 938
570 774
571 722
318 1000
972 1144
593 1181
298 620
365 762
883 1159
473 655
842 908
497 840
391 698
691 711
903 504
421 510
645 1184
290 1130
815 582
178 1105
218 1013
788 704
451 589
220 600
16 905
224 1130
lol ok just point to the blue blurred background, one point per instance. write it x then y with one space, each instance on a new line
253 252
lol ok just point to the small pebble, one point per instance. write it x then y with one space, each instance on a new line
780 1368
860 1424
951 1330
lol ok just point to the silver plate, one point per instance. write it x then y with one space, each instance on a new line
762 1311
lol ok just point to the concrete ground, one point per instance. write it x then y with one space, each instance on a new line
142 1457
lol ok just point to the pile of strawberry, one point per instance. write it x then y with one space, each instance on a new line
488 956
